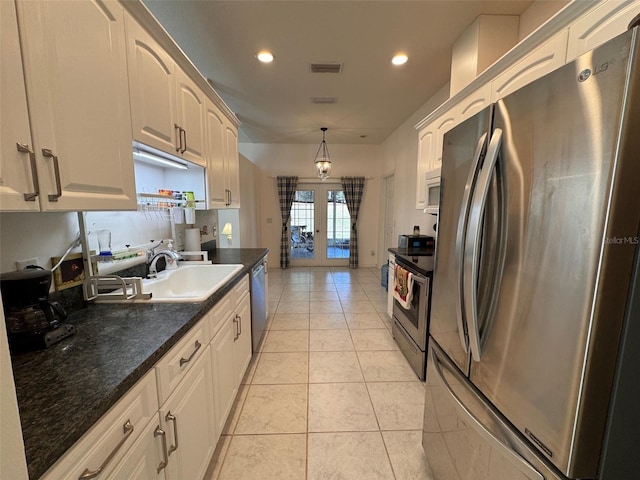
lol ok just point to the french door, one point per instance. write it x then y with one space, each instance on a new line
320 226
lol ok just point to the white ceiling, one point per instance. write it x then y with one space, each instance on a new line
273 101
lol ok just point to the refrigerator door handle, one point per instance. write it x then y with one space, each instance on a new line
516 460
461 236
472 244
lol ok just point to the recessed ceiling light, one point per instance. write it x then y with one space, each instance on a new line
399 59
265 56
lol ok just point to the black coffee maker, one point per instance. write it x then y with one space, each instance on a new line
33 322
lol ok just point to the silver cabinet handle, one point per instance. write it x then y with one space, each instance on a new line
172 418
178 144
159 432
88 474
188 359
24 148
183 136
239 324
235 333
56 167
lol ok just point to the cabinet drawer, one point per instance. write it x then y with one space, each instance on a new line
218 314
114 434
240 289
178 361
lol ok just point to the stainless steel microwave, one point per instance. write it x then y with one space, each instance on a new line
432 191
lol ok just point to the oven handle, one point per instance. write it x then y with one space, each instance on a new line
461 237
472 244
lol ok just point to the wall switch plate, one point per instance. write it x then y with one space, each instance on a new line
22 264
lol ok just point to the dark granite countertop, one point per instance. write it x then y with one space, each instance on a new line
63 390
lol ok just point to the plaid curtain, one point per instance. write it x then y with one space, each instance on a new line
286 190
353 188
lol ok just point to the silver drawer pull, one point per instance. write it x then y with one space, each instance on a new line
24 148
156 432
172 418
187 360
56 168
88 474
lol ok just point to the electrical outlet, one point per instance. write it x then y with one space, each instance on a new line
22 264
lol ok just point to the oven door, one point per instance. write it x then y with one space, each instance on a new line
414 319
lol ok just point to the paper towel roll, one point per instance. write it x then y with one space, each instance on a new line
192 239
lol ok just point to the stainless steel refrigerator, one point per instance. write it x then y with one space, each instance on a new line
534 281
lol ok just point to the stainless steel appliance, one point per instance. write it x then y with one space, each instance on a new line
535 283
416 244
410 325
258 303
32 321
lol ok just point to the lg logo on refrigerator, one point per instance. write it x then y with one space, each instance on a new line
586 73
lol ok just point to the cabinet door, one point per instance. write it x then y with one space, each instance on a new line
542 60
76 75
233 167
16 175
442 125
426 149
145 457
191 107
153 90
473 103
188 418
608 20
216 181
242 350
225 384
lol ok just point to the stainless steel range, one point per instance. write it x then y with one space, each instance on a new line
411 325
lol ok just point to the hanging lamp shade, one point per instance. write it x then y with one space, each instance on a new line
322 160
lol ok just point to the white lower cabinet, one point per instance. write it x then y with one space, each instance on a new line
224 375
167 426
102 448
242 350
146 459
188 419
230 349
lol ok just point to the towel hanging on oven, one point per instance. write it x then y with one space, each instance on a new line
403 288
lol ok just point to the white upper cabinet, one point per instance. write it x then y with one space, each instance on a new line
606 21
152 87
18 180
540 61
76 82
233 166
167 107
223 176
216 179
191 113
426 147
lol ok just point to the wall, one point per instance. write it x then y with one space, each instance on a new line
538 13
250 206
400 157
348 160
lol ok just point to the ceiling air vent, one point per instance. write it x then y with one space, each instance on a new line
324 100
326 68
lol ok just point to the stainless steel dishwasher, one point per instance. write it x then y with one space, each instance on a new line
258 302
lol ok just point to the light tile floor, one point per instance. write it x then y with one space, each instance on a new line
329 396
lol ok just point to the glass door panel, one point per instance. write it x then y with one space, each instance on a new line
319 229
338 225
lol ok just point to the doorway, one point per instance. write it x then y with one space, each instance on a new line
320 226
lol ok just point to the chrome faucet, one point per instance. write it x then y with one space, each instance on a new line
171 258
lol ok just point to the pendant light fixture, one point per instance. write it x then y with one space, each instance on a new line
323 161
